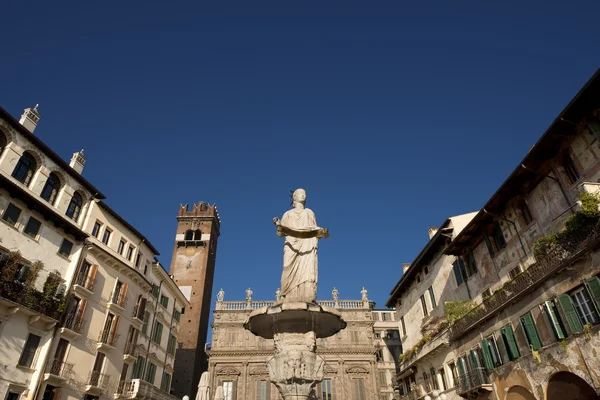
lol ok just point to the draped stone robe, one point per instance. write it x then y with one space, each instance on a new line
300 265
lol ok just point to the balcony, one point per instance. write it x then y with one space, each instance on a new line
32 300
97 383
130 353
556 259
473 383
117 301
107 340
57 372
139 389
84 285
138 314
73 326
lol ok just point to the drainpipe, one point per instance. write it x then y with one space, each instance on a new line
514 225
151 330
170 330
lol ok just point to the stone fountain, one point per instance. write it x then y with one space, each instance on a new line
296 321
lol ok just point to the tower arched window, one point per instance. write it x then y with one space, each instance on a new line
25 169
75 205
189 235
51 188
197 234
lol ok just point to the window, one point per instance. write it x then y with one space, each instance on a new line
25 169
326 389
157 335
164 300
151 373
570 169
21 273
146 319
470 263
165 383
555 320
12 395
384 316
171 345
32 228
130 253
454 373
514 272
524 208
106 236
531 333
381 378
96 229
176 315
426 270
145 268
443 379
65 248
189 235
379 355
491 345
262 389
424 305
12 214
228 390
584 307
508 337
403 326
138 368
155 290
51 188
138 257
359 389
121 247
460 272
434 380
498 237
28 354
75 205
432 297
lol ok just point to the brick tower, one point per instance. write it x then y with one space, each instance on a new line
193 267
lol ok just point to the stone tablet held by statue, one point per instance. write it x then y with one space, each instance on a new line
300 264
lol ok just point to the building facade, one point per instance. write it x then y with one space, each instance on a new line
79 284
359 360
528 262
193 267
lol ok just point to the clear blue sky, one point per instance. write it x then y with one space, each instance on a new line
393 115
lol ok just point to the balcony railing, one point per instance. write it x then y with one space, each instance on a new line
138 312
97 379
59 368
85 281
254 305
556 259
108 337
472 380
75 322
130 349
139 389
30 298
118 299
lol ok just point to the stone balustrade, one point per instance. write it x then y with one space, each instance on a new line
255 305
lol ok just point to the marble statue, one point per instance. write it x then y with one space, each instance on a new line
363 293
221 295
278 294
334 294
203 386
300 264
249 295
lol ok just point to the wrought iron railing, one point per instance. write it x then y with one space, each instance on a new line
86 281
130 349
31 298
555 259
98 379
108 337
472 379
59 368
118 299
74 322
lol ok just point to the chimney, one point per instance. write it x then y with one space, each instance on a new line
432 231
78 161
30 118
405 267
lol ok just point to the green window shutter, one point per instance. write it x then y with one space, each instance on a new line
474 360
512 343
593 287
572 318
552 313
487 354
531 331
461 367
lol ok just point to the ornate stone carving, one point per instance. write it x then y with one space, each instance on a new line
356 369
228 371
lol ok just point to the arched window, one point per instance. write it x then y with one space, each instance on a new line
25 169
74 208
51 188
197 234
189 235
3 143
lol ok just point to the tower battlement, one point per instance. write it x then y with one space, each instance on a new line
200 209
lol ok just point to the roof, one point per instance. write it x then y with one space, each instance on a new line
543 150
128 226
50 153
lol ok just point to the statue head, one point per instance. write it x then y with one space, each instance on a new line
299 196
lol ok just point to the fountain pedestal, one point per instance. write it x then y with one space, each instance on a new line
295 368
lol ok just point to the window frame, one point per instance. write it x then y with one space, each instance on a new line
5 216
424 305
37 231
70 246
29 352
432 298
25 176
97 228
75 206
106 236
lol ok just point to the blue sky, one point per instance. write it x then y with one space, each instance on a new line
392 115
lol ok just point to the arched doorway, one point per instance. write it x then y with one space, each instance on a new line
567 386
519 393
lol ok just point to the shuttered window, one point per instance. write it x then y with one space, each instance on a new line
584 306
566 304
510 343
593 287
533 338
487 354
555 321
